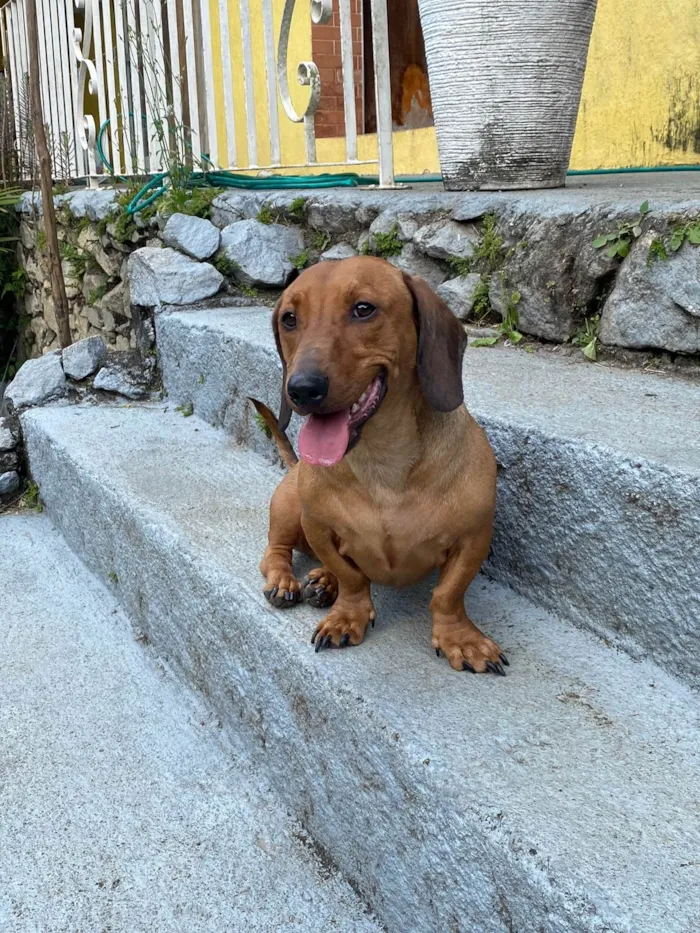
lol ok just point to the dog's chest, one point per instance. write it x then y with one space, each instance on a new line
391 538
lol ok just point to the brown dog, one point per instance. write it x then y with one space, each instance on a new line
396 478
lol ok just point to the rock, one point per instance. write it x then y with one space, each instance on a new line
109 263
27 234
116 301
458 294
94 284
108 322
195 236
655 304
94 316
261 252
339 251
88 239
412 261
95 204
8 461
8 441
82 359
74 285
37 381
164 276
326 213
122 377
447 239
9 483
232 206
551 262
405 224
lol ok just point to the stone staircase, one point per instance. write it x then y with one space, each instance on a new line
564 798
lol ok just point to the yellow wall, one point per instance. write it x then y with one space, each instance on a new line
640 104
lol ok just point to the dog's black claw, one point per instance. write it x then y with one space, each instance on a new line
270 594
505 660
319 645
290 596
466 666
437 652
313 637
327 641
372 623
344 641
495 668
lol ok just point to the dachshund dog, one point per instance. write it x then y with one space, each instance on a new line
395 477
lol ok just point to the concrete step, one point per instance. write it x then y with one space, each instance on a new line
123 806
563 797
599 479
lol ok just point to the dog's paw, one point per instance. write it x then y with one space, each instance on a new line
343 626
282 589
470 650
319 588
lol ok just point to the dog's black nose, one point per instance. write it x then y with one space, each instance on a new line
307 389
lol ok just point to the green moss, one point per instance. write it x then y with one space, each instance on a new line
248 290
320 241
265 215
229 268
482 305
41 239
96 294
260 421
301 260
78 260
386 244
30 499
186 410
297 210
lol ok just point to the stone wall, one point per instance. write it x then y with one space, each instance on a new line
584 267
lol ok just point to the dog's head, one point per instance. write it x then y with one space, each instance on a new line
351 332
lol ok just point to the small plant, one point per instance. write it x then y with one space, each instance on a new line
102 225
96 294
265 215
657 250
508 328
619 242
78 260
587 337
41 239
60 188
82 223
113 577
30 499
195 202
385 244
248 290
689 232
460 265
320 241
229 268
297 209
260 421
481 306
186 410
301 260
201 379
16 284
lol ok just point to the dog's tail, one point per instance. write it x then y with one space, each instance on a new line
271 427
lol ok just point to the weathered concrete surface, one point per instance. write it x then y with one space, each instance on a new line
538 801
122 807
599 481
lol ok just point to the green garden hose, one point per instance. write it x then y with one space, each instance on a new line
157 186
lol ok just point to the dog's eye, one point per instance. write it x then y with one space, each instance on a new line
289 320
363 309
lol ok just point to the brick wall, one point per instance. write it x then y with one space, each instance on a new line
325 40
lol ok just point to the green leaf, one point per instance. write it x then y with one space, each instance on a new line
611 252
644 209
514 336
637 231
600 240
589 351
677 238
623 248
515 298
694 235
483 342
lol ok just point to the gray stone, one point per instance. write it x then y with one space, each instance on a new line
162 823
95 204
339 251
404 224
232 206
328 213
458 294
37 381
165 276
195 236
547 793
655 303
615 559
27 233
8 461
93 282
412 261
123 379
82 358
261 252
447 239
116 301
8 440
9 482
88 239
108 262
73 282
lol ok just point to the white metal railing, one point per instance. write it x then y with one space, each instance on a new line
144 69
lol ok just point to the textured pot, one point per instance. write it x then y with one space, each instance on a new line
505 81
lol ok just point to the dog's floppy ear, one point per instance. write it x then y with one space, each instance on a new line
285 408
441 346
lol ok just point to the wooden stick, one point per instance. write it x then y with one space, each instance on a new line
58 286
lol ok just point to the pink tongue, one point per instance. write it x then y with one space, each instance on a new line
324 439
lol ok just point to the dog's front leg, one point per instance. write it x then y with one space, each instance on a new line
463 644
353 610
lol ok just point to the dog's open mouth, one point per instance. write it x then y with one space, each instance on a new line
325 439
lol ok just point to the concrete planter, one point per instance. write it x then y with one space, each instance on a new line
505 80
